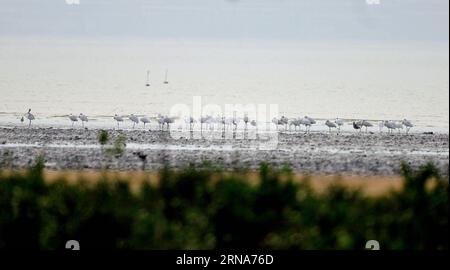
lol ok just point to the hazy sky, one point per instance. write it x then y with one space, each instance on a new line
310 20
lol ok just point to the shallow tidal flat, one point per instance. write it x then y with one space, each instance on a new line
314 153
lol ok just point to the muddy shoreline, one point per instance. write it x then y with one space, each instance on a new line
315 153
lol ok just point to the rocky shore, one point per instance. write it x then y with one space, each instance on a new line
315 153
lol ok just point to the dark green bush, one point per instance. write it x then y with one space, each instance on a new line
204 208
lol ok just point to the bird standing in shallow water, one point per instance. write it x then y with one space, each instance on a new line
190 122
407 124
30 117
118 119
246 120
277 122
306 122
134 119
168 120
366 124
398 126
330 125
390 125
145 120
339 123
83 119
73 118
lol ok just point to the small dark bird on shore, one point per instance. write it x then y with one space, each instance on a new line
142 157
356 126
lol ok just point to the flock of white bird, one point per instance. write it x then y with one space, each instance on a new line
225 123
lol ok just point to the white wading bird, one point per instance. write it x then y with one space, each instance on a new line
118 119
277 122
246 120
73 118
339 123
168 120
30 117
235 122
285 121
204 120
190 121
83 119
407 124
398 126
366 124
330 125
311 120
381 126
134 119
160 121
390 125
294 122
145 120
306 122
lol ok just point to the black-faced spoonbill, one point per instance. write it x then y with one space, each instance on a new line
398 126
204 120
294 122
407 124
306 122
168 121
30 117
189 121
277 122
235 122
134 119
390 125
160 121
118 119
381 126
246 120
285 121
330 125
145 120
83 119
366 124
73 118
311 120
339 123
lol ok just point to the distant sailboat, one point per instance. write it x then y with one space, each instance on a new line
166 81
148 78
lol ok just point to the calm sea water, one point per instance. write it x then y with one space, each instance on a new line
56 77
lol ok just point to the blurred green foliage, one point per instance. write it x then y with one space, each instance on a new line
103 137
205 208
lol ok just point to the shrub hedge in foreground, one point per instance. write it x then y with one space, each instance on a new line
205 208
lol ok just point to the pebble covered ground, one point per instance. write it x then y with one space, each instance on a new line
316 153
